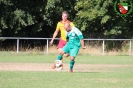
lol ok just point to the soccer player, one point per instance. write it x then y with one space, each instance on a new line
73 45
60 28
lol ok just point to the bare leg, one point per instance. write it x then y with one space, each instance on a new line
66 55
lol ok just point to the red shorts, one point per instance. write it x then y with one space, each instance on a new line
62 43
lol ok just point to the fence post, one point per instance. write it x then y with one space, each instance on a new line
103 48
47 47
17 45
130 46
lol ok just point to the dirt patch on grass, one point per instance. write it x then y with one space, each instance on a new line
47 67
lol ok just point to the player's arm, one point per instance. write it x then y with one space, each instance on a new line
82 44
80 36
55 34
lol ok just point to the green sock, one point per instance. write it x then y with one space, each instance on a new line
71 64
59 57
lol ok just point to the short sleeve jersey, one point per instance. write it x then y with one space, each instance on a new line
60 27
74 36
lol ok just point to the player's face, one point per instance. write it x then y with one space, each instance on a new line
64 17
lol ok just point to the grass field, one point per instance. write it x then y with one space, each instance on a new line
90 72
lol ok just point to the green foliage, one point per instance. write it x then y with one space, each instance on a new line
99 16
105 19
91 16
90 11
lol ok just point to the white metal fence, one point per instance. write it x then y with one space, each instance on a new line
48 39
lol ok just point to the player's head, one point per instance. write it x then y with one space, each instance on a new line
67 27
64 15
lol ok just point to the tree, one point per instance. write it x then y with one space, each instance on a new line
32 18
99 16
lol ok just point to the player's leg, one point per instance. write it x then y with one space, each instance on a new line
73 54
61 53
61 44
72 62
66 55
59 57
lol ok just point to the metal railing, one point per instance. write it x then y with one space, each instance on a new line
47 45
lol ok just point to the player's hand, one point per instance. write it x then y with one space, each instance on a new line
84 47
51 42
